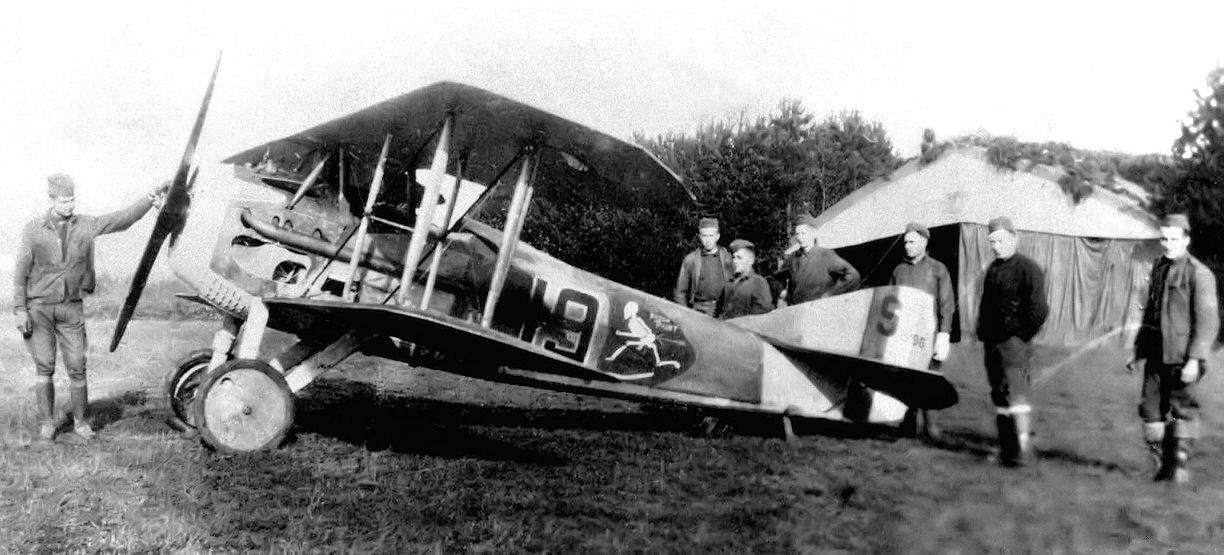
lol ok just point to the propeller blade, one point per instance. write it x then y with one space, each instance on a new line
170 218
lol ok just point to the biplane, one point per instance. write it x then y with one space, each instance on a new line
375 247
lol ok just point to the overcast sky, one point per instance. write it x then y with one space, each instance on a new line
108 91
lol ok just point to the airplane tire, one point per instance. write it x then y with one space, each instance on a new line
181 386
244 406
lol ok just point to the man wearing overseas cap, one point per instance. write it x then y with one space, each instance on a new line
1012 311
920 271
1179 326
55 269
703 271
746 292
811 272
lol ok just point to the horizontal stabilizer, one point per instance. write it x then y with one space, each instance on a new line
922 389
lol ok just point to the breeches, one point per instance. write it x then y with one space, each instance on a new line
1007 369
1165 395
61 327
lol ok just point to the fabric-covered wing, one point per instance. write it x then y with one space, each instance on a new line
489 131
484 348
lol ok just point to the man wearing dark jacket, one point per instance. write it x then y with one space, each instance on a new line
703 271
55 269
1012 311
812 272
1180 324
747 292
920 271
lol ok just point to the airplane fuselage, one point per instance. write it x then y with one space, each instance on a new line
607 338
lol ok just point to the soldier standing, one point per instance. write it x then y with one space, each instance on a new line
1180 323
747 292
55 269
920 271
703 271
1012 311
812 272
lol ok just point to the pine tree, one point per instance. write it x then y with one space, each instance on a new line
1199 154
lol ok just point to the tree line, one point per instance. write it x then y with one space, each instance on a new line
753 174
756 174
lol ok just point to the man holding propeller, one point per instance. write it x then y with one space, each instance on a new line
55 269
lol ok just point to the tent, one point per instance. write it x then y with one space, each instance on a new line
1096 253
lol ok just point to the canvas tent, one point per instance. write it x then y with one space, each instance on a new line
1096 253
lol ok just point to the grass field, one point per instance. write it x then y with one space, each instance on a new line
387 458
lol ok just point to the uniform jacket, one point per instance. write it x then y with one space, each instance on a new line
45 275
1013 300
742 295
690 273
1189 319
814 274
932 276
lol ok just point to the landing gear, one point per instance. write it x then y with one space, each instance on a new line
181 387
243 406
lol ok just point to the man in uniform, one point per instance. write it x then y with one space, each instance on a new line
812 272
920 271
1180 323
704 271
746 292
55 269
1012 311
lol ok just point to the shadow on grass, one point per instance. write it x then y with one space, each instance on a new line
985 446
118 409
358 413
1078 459
965 441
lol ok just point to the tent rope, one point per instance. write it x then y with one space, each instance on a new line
879 261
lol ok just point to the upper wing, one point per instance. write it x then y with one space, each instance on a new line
489 131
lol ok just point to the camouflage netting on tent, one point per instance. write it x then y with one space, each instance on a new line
1096 252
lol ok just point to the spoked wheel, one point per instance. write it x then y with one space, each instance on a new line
181 387
244 406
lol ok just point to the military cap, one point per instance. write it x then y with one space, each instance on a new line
708 223
60 185
1002 222
742 244
919 229
806 219
1176 220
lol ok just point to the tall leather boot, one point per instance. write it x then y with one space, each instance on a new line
44 396
1009 446
1024 438
1154 436
1184 432
80 408
1181 461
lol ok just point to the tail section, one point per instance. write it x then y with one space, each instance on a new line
878 337
894 325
